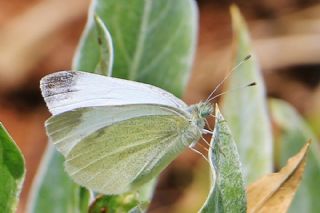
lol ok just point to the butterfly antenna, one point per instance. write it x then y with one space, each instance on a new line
228 75
232 90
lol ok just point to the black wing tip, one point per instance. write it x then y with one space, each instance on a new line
51 78
56 83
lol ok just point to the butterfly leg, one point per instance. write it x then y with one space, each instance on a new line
203 147
208 124
206 142
196 151
205 131
192 145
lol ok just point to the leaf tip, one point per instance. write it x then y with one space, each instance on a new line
305 148
96 17
216 107
238 23
235 13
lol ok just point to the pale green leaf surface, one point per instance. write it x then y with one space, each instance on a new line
154 41
114 204
227 192
246 110
293 133
48 192
133 202
53 191
12 172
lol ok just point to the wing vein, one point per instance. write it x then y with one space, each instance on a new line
108 154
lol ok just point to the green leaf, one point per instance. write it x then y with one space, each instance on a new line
12 172
154 41
48 186
53 191
114 204
246 110
132 202
104 66
291 133
227 192
84 200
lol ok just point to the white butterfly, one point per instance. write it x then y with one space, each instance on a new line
116 134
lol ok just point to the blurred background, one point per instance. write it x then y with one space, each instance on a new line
38 37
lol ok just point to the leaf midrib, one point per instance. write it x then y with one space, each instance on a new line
140 42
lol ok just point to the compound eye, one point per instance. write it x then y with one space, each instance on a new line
204 114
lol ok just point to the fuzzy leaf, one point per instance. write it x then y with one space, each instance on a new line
12 172
53 191
45 189
274 192
246 110
291 131
227 192
154 41
114 204
121 203
137 201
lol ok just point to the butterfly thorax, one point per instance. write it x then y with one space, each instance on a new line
199 113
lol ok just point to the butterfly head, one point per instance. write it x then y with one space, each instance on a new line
205 109
200 112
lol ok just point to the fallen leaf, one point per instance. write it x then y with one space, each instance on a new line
274 192
289 138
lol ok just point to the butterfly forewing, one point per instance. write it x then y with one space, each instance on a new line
122 156
67 90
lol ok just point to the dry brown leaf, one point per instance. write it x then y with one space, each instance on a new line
274 192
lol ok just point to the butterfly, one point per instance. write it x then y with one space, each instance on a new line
115 134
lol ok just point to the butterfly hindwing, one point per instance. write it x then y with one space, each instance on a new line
125 155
